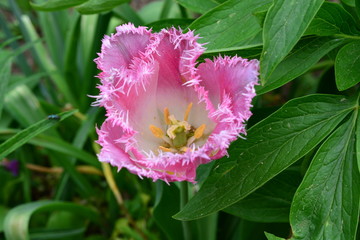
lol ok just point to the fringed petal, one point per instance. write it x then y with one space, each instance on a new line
119 49
227 87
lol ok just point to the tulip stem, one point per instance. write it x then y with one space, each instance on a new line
184 196
117 194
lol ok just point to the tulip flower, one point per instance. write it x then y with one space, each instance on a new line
165 113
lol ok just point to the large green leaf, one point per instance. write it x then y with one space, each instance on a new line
285 23
347 66
349 2
98 6
53 5
16 223
271 146
231 24
271 202
200 6
168 23
304 55
25 135
326 205
332 19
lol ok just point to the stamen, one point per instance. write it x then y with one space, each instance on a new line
172 120
167 140
166 116
190 141
199 131
187 112
164 149
156 131
184 149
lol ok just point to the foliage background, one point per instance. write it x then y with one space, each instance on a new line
295 176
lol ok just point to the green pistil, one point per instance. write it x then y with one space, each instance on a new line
181 139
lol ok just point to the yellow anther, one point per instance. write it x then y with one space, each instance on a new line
164 149
187 112
156 131
199 131
166 116
184 149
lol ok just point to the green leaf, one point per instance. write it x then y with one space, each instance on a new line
23 106
44 60
58 145
167 204
3 212
249 53
167 23
270 236
16 224
68 233
25 135
70 53
30 80
357 7
332 19
231 24
350 3
199 6
326 205
62 146
128 14
285 23
271 146
347 66
358 142
304 55
78 144
5 70
271 202
98 6
166 9
9 41
53 5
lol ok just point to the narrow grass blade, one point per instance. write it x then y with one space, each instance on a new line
25 135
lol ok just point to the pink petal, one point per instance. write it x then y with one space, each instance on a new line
230 80
176 56
227 87
121 48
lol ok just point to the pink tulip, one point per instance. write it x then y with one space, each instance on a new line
165 115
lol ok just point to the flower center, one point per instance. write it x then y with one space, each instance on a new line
179 135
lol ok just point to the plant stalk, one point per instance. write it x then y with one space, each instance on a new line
184 197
